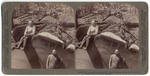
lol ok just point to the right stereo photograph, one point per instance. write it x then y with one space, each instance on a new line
107 36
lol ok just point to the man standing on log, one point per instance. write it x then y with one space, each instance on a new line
29 31
115 61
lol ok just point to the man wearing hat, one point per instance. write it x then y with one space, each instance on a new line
115 61
93 30
30 30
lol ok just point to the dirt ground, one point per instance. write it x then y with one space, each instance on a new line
19 60
82 60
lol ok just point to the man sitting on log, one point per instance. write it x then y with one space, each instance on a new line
29 31
93 30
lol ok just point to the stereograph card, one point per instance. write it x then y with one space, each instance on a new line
74 38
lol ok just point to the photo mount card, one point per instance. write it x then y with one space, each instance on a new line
74 38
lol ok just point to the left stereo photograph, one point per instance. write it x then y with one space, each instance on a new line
42 36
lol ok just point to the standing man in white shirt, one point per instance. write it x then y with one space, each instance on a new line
54 61
116 60
51 59
29 31
93 30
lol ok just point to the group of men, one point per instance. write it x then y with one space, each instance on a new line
115 61
53 58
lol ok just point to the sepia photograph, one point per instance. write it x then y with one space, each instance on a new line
107 36
43 36
74 38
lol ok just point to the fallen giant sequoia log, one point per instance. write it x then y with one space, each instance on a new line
97 53
30 52
45 42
